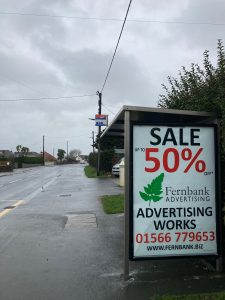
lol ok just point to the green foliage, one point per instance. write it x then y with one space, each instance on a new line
110 142
92 159
153 190
18 148
209 296
199 89
32 160
113 204
22 149
90 172
28 160
25 150
61 153
3 158
106 160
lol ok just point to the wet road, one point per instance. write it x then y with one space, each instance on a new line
57 243
53 240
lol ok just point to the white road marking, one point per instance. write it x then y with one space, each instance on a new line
39 190
15 181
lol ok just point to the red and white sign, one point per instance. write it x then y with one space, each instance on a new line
101 120
174 191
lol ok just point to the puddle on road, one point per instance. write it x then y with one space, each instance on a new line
9 207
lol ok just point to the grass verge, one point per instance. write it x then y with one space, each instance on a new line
213 296
91 172
113 204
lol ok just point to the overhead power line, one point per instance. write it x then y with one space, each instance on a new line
110 19
114 54
108 109
46 98
64 137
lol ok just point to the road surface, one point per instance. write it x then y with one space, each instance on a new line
56 243
53 236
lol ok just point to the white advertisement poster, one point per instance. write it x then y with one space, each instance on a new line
174 205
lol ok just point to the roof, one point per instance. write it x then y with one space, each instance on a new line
27 154
49 157
155 116
6 153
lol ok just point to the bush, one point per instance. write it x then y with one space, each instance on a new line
92 159
106 160
202 88
29 160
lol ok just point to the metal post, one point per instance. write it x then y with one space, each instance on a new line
43 154
67 149
93 140
98 162
99 131
127 193
220 188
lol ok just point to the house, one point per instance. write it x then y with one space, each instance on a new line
49 159
6 153
27 154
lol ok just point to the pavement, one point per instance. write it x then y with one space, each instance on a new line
61 245
2 174
15 171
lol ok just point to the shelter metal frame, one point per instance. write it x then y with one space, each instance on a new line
121 128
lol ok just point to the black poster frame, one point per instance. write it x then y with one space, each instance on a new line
218 198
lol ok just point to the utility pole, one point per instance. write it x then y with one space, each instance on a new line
43 153
67 149
99 130
93 140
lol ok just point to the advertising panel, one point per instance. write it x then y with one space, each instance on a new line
174 191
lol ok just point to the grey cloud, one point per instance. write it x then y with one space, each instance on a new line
197 35
47 57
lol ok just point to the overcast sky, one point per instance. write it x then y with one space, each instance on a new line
46 56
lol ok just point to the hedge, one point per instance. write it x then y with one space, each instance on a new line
106 160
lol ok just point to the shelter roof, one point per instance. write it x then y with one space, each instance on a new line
159 116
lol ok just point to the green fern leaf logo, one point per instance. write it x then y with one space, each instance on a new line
153 191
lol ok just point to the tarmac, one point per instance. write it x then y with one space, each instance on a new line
152 278
64 246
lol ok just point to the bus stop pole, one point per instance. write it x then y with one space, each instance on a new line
127 193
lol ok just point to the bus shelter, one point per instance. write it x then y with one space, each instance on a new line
173 197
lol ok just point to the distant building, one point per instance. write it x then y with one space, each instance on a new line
27 154
50 160
6 153
49 157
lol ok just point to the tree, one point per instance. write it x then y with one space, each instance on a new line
18 148
21 149
61 154
74 153
110 142
200 89
25 150
106 159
